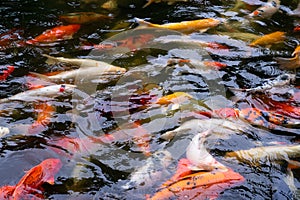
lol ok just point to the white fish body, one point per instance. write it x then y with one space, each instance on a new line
41 93
4 131
84 63
195 126
200 158
154 169
267 10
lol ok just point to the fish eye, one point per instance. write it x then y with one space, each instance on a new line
285 77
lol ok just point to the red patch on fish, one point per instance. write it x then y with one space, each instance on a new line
6 72
56 34
30 185
45 112
215 64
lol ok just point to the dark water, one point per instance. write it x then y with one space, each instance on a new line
100 171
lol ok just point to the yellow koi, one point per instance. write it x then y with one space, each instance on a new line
176 97
269 39
187 27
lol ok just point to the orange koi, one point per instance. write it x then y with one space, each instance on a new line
6 72
30 185
55 34
83 17
201 185
267 119
269 39
187 27
177 97
45 112
133 43
290 63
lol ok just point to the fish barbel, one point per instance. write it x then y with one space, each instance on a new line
41 93
281 80
257 155
170 2
267 10
185 26
199 157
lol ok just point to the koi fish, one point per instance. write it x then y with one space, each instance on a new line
259 155
197 63
41 93
195 126
201 185
133 43
267 10
281 80
176 97
153 169
45 112
266 119
30 185
170 2
55 34
269 39
83 63
290 63
83 17
6 72
199 157
4 131
201 25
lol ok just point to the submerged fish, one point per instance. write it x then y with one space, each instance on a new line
41 93
290 63
269 39
158 1
83 17
6 72
281 80
30 185
199 157
267 10
260 155
153 170
84 63
185 26
3 131
55 34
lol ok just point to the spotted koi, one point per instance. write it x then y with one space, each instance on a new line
281 80
267 10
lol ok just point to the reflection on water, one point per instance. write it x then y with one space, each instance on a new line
112 130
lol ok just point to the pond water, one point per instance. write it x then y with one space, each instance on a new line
111 127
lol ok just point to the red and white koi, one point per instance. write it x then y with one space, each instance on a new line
41 93
267 10
281 80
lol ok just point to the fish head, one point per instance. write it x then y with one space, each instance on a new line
49 168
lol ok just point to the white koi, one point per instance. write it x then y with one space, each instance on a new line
85 63
200 158
41 93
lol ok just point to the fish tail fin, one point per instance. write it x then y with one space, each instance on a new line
147 4
41 76
50 59
143 22
288 63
